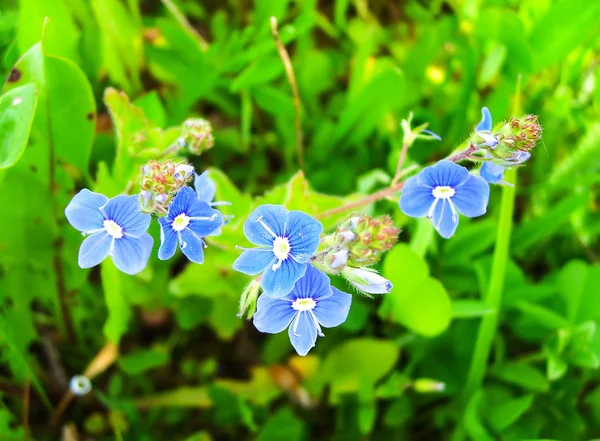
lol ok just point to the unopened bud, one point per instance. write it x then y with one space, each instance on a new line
427 385
338 260
197 135
80 385
367 238
248 299
160 182
367 280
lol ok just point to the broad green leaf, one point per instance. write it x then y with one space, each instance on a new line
523 375
119 310
17 109
417 300
283 425
182 397
507 413
140 361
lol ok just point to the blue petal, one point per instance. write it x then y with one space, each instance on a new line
280 282
314 284
168 240
303 336
493 173
304 233
183 201
471 199
131 254
444 220
432 134
94 249
125 211
254 261
204 219
273 216
205 187
415 199
333 311
273 315
444 173
486 120
83 212
192 246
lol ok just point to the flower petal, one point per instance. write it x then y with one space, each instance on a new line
131 254
168 240
253 262
444 173
304 233
273 216
83 212
125 211
204 219
273 315
314 284
471 199
192 246
444 220
280 282
493 173
486 120
333 311
94 249
304 335
415 199
183 201
206 189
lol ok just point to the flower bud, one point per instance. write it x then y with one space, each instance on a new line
509 143
160 182
366 238
427 385
80 385
197 135
338 260
248 299
367 280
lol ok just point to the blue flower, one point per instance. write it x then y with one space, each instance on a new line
311 304
189 220
287 240
484 128
206 189
442 191
116 227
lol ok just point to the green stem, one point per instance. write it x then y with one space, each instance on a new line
489 323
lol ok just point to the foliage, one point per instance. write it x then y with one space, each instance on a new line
492 334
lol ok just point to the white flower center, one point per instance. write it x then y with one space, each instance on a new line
181 222
443 192
113 229
281 248
304 304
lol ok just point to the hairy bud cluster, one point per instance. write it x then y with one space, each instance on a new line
197 135
160 182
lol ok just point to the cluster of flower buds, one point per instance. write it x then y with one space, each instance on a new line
197 135
160 182
509 143
361 240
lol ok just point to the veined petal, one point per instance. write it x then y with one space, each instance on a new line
168 240
125 211
313 284
303 333
415 199
280 282
83 212
444 173
255 261
204 219
206 189
471 199
333 311
94 249
192 246
265 221
131 254
445 220
304 233
183 201
493 173
486 120
273 315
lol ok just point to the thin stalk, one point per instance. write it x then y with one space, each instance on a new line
185 24
289 70
400 163
489 323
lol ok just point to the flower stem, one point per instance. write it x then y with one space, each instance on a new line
400 163
457 157
289 70
487 329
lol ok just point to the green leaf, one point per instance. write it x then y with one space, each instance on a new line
182 397
283 425
17 109
507 413
470 308
119 310
417 300
523 375
140 361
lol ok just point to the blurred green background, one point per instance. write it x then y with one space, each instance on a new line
187 368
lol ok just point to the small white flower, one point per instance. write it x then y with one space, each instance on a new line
80 385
